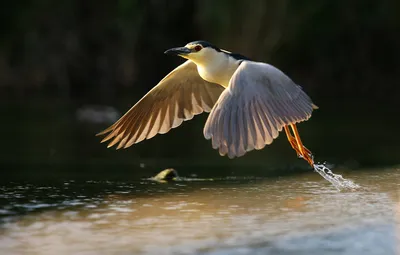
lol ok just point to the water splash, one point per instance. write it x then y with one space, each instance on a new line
337 180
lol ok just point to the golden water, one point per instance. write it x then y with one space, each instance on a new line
235 215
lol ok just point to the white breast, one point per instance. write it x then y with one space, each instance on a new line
219 71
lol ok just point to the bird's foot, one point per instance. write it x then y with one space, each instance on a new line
304 153
309 158
297 145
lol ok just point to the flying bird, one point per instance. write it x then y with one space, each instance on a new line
249 103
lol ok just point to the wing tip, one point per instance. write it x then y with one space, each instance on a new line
107 130
105 139
102 132
207 136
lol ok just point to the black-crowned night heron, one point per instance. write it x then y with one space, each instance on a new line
249 103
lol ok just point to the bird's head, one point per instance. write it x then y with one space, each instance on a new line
197 51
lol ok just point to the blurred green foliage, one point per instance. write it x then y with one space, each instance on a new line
94 49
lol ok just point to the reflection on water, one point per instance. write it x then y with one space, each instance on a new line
290 215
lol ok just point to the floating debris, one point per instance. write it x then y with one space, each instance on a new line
171 174
168 174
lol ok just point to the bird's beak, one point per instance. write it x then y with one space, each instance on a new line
180 51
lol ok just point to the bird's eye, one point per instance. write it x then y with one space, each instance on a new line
197 48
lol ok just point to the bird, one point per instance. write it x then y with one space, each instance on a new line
249 103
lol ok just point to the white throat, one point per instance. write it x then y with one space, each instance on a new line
214 66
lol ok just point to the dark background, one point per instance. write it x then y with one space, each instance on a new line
62 63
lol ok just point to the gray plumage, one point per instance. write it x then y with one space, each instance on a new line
251 112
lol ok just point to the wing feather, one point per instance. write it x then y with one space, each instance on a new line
176 98
259 101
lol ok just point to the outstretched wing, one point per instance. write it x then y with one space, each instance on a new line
259 101
177 97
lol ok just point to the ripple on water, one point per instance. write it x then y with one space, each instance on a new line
301 215
123 209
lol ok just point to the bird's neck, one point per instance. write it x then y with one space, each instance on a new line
217 70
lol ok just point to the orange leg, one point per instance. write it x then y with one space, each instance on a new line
292 141
297 145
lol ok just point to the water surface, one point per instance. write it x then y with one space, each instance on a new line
303 214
